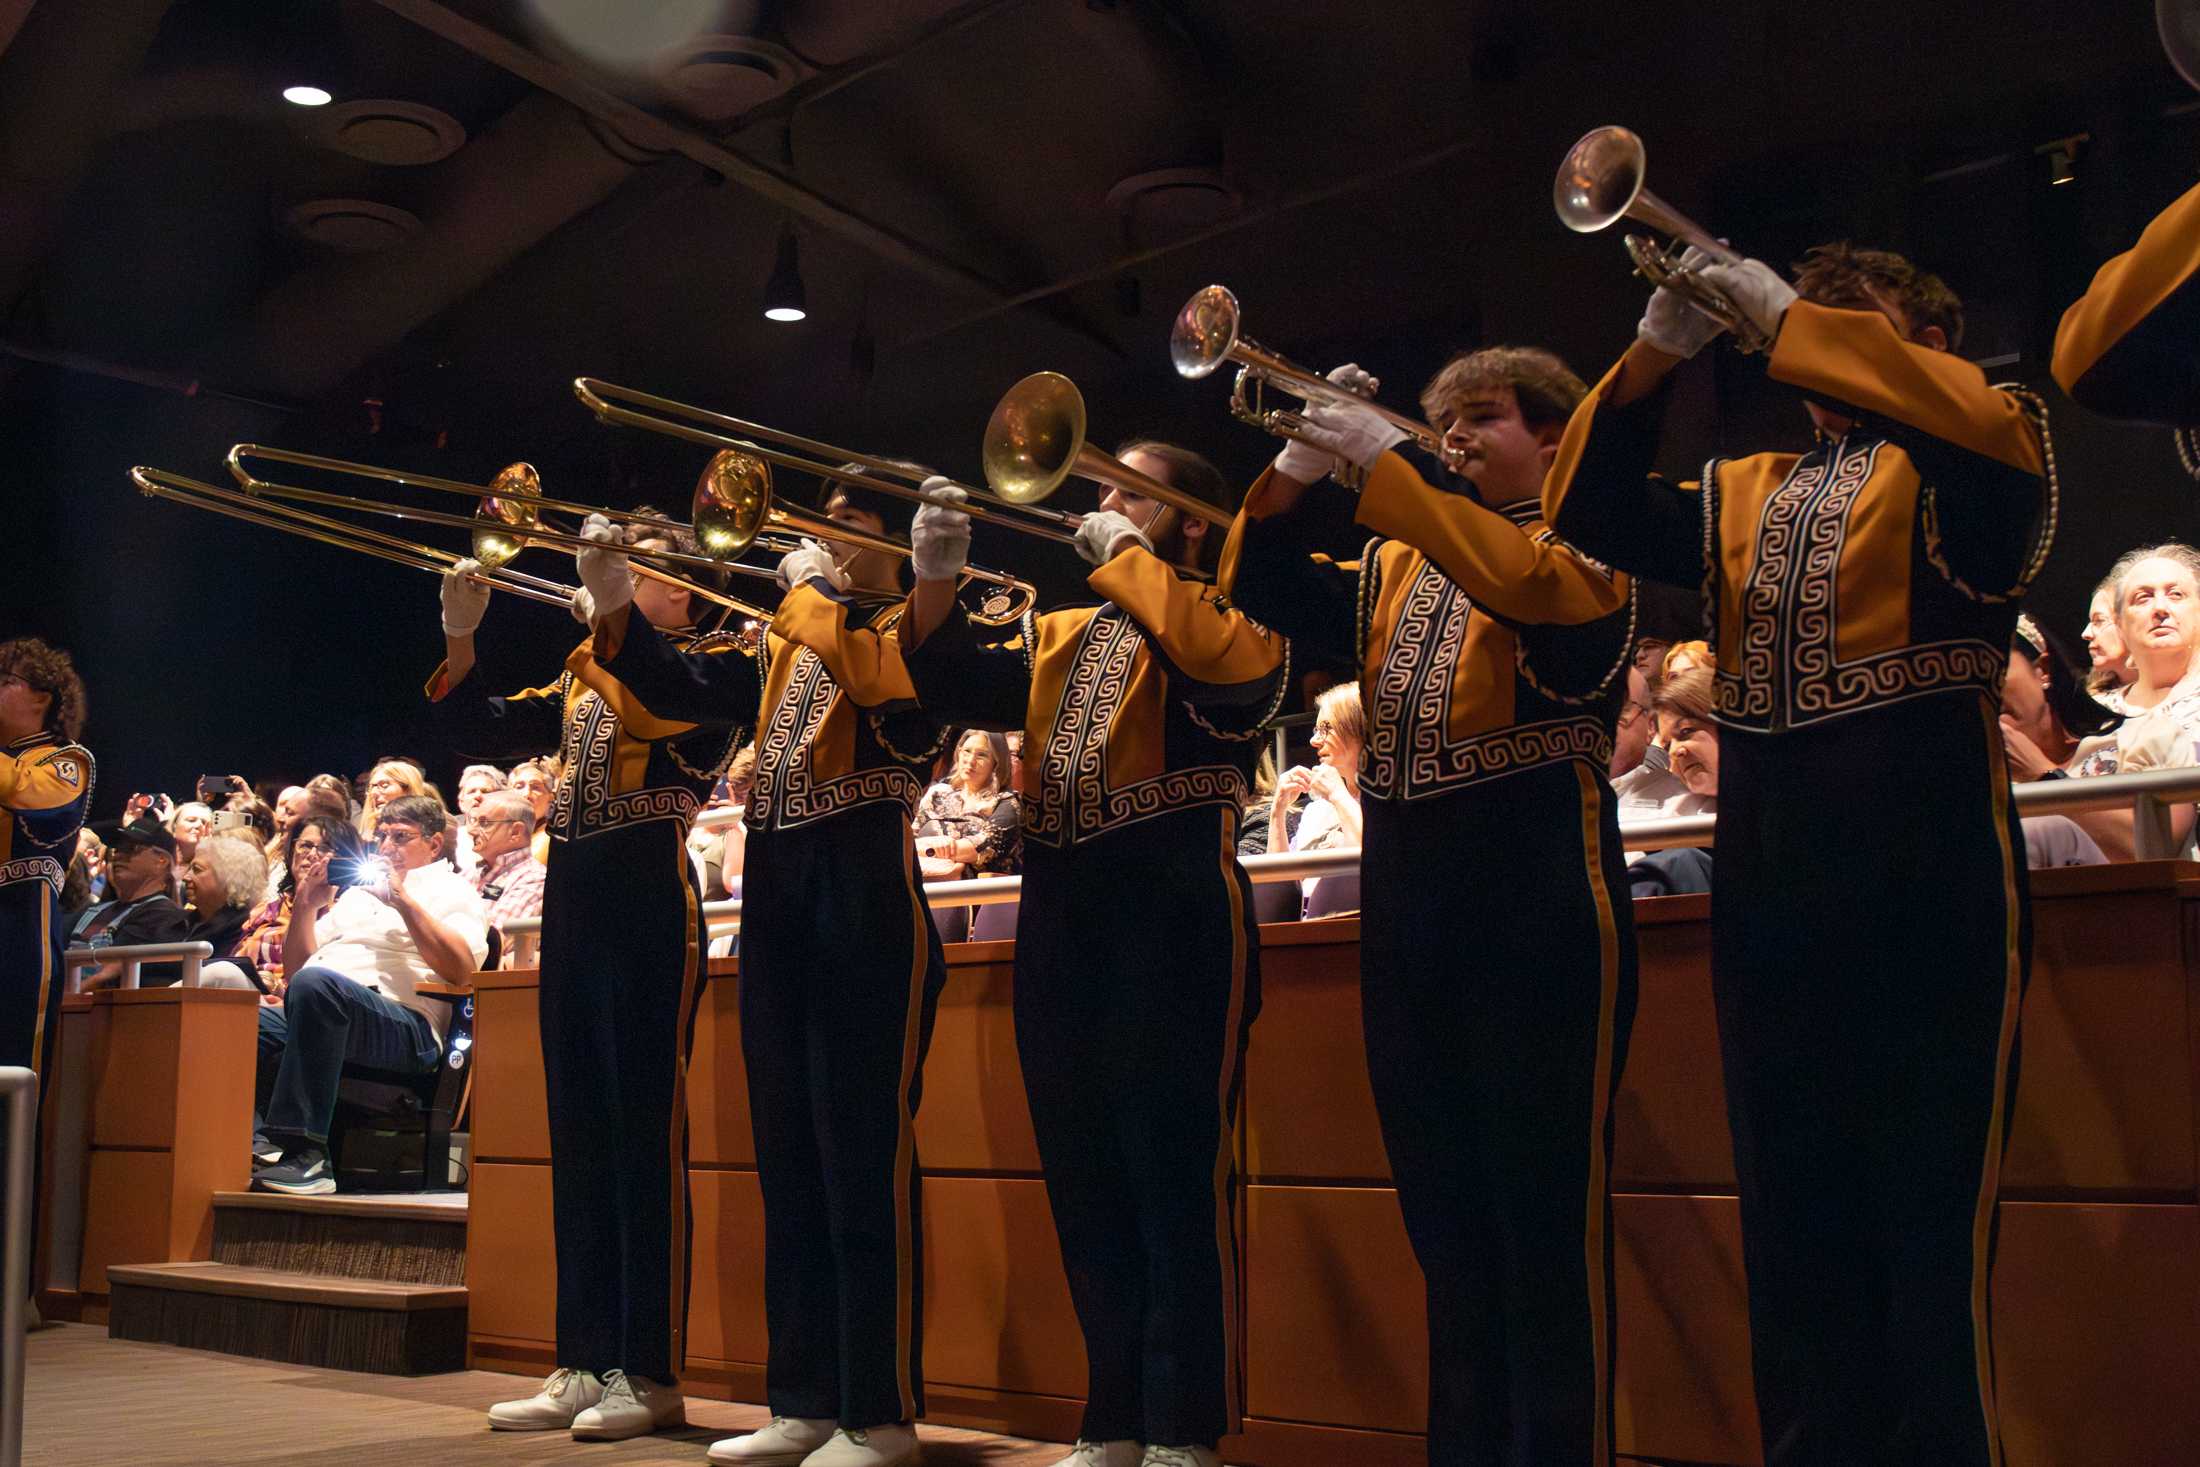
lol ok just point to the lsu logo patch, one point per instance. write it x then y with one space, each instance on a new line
67 770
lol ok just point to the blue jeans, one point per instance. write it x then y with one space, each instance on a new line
326 1022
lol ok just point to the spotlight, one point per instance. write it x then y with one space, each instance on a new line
303 96
783 295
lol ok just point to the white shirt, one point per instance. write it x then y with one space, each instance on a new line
364 939
1320 828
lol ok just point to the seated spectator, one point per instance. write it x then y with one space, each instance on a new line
94 854
191 821
1642 778
1650 655
969 824
2045 711
141 874
2158 616
354 984
1260 808
537 781
1331 819
336 787
222 887
289 805
474 781
323 833
1683 705
391 779
719 850
1681 656
507 876
2111 667
76 885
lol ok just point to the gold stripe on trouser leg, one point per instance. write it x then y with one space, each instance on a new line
1600 1100
905 1139
1226 1145
1989 1183
684 1017
45 984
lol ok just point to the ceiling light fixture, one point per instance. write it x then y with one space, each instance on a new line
784 299
305 96
2062 158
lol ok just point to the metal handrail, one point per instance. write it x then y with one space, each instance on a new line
192 954
2151 794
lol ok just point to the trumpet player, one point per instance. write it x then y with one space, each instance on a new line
1492 660
841 972
622 967
1861 597
1137 972
2125 347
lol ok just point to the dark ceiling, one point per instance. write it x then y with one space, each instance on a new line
979 190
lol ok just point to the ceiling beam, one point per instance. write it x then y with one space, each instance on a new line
645 129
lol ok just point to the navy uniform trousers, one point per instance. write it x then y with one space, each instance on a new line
622 973
1137 980
1869 957
1497 989
841 972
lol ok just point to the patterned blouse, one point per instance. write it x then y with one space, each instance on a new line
998 831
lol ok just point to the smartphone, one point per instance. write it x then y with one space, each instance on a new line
213 789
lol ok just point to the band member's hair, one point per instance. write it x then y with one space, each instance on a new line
1191 474
2175 550
1545 387
50 670
631 534
1345 712
893 511
1849 278
425 811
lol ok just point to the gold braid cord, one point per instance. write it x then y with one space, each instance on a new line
2050 518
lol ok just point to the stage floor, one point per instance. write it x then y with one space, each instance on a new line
92 1399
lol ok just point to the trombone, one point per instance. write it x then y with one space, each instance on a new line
1600 182
634 408
1035 443
1206 335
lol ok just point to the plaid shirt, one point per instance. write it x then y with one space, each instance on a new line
512 886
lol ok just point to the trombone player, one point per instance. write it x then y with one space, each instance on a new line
1492 658
1861 597
1137 973
841 972
622 969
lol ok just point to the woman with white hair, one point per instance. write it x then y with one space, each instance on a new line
222 886
2157 603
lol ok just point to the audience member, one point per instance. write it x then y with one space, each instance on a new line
1254 821
354 985
323 833
508 877
391 779
474 781
289 805
1681 656
336 787
191 821
971 824
1331 788
2111 668
2157 603
76 885
1641 778
537 782
141 873
1683 706
2045 711
1650 655
94 853
222 888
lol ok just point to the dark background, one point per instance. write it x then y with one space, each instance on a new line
978 190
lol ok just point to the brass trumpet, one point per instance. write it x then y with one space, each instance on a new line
1206 334
1035 443
1600 182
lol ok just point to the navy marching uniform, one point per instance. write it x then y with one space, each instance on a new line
622 970
1136 968
841 971
1861 598
1497 934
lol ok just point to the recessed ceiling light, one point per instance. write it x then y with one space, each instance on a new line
785 313
307 96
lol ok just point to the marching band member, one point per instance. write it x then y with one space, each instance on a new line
2126 347
1136 956
45 791
1492 660
622 970
841 972
1861 598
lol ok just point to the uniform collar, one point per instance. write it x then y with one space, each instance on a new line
1522 512
33 740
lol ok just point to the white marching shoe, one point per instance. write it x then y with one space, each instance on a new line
1102 1454
785 1443
1180 1457
630 1408
565 1395
875 1446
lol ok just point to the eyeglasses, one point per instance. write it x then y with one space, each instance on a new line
397 838
310 846
478 824
1629 711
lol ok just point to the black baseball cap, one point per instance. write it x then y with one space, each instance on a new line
142 831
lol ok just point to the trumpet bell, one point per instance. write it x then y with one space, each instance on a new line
1033 438
1599 179
504 521
733 501
1204 332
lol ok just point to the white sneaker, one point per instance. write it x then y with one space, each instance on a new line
630 1408
565 1395
1180 1457
784 1443
873 1446
1102 1454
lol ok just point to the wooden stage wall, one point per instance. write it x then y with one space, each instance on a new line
2096 1299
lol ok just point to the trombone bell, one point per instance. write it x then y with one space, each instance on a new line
1033 437
733 501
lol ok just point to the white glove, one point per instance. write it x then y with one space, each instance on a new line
1303 463
465 600
1104 534
1672 323
604 572
939 537
1354 434
584 607
1755 287
811 561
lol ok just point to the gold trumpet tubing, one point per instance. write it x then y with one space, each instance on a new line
1663 267
231 504
1312 387
885 475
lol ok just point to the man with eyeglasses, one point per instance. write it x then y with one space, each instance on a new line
404 916
506 873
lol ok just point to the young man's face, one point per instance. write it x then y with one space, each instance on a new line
404 846
873 569
662 605
1176 537
1487 440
